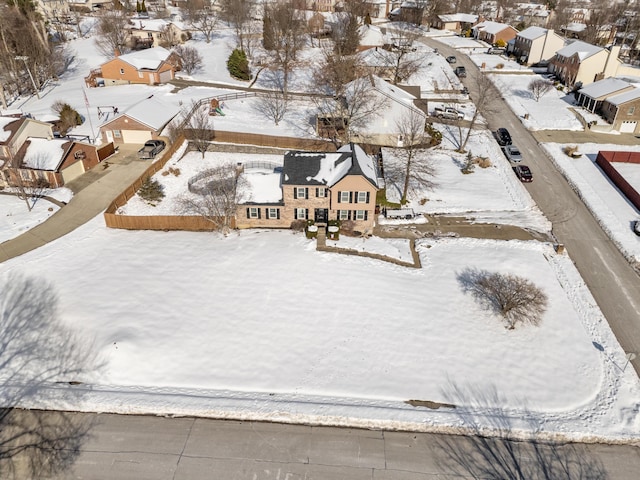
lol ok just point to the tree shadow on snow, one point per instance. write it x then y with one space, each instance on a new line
498 445
42 362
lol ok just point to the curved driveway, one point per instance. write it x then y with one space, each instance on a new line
611 280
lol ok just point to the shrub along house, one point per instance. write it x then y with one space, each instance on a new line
317 186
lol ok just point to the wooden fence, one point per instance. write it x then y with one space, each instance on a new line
314 144
604 160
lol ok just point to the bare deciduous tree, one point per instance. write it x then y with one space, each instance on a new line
403 61
335 72
112 32
412 167
202 16
239 14
484 95
538 87
197 127
215 195
273 105
516 299
283 35
190 58
37 352
351 112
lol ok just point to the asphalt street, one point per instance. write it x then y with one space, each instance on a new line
103 446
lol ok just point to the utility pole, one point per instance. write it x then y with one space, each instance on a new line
24 58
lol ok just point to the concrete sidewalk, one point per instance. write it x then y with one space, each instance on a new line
93 192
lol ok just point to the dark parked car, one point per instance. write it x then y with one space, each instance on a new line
512 153
503 136
523 173
461 72
151 149
451 59
636 227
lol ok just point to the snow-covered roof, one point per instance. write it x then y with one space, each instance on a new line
313 168
151 111
582 49
154 25
604 87
44 154
377 57
575 27
371 36
149 59
459 17
396 93
492 27
625 97
532 33
5 134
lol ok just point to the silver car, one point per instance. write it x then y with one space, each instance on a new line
512 153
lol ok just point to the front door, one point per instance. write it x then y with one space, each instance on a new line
321 215
109 135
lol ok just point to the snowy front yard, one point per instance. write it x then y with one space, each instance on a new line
259 323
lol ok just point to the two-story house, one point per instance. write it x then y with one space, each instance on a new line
536 44
156 33
581 62
317 186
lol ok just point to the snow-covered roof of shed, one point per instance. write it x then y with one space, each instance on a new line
459 17
582 49
532 33
44 154
149 59
151 111
603 87
5 134
492 27
624 97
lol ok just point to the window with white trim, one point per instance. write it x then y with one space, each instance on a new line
301 213
322 192
360 214
140 74
631 110
116 133
272 213
253 212
301 192
362 197
344 197
343 214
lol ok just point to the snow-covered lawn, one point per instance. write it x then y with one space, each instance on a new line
15 217
606 202
550 113
259 323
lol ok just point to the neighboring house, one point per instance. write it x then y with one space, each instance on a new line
156 33
583 63
592 96
622 111
89 5
152 66
532 14
314 22
493 32
15 131
53 161
316 186
536 44
379 62
139 122
457 22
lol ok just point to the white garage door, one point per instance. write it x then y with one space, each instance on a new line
72 171
165 76
628 127
135 136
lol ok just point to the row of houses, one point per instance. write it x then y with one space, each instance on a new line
31 154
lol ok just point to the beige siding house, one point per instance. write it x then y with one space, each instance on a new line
581 62
536 44
319 187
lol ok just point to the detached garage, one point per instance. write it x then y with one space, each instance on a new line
140 122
